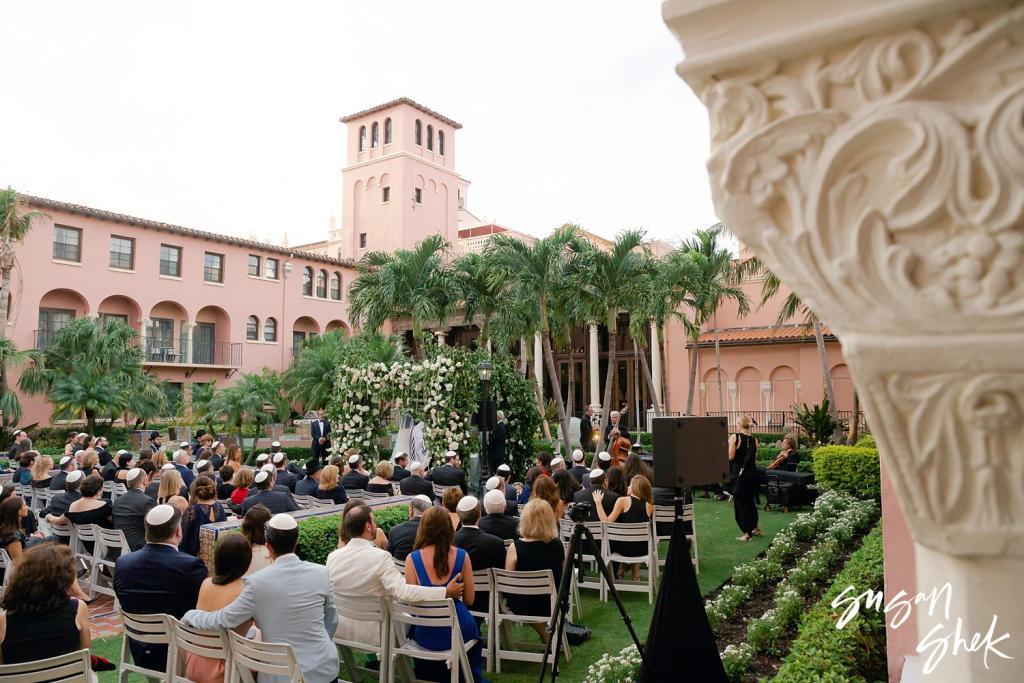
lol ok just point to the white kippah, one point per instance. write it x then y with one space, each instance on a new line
504 468
159 514
605 456
275 444
81 434
168 466
450 454
122 452
596 473
278 458
577 455
353 459
493 498
214 445
423 498
262 457
283 522
133 474
184 444
74 476
267 468
400 454
261 476
202 463
556 461
492 483
467 503
417 465
65 460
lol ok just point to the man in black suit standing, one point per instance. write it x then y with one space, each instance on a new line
496 448
130 509
597 480
319 432
496 522
415 484
450 473
485 551
276 501
402 536
588 435
158 579
357 477
400 473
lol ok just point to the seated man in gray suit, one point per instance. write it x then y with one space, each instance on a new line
305 619
130 509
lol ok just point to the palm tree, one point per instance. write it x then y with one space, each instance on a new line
608 282
203 397
94 368
481 294
715 280
10 406
791 307
309 380
256 398
14 225
418 284
536 273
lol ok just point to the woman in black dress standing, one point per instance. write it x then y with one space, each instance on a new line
637 507
745 479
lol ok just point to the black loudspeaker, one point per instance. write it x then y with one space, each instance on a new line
690 451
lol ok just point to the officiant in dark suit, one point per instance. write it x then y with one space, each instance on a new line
319 433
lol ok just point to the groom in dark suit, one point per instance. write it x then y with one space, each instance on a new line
319 433
158 579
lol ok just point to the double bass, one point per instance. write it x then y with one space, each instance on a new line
618 448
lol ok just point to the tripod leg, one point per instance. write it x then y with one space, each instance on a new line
556 628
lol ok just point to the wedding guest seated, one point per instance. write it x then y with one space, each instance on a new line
88 462
330 487
523 496
450 502
276 501
182 459
225 488
42 614
545 489
361 568
234 456
415 484
538 548
579 469
60 503
495 483
557 465
217 455
436 562
400 472
203 509
67 465
450 473
357 477
635 465
380 539
308 485
170 485
41 472
285 477
381 481
253 525
230 562
596 480
241 481
567 486
130 509
485 550
91 508
12 537
203 466
305 619
402 537
616 481
496 522
158 579
504 473
637 507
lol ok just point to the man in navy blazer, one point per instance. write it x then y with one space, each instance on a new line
319 433
276 501
158 579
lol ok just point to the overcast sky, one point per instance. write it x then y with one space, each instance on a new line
224 116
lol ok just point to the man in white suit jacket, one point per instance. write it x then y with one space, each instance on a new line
305 618
361 568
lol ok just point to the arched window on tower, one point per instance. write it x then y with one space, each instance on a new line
270 330
418 133
430 137
387 131
252 328
440 142
321 284
362 138
307 281
375 135
336 286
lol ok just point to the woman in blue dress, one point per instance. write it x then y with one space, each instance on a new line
435 562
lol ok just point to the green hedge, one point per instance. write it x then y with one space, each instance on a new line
318 536
866 441
853 469
821 652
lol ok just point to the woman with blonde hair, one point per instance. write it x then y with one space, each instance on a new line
381 480
41 471
744 478
170 485
330 487
159 459
242 481
537 548
89 462
234 456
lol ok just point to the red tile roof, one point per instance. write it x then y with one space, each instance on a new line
768 334
401 100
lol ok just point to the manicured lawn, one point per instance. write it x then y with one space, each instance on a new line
719 553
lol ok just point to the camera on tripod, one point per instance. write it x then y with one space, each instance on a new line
581 512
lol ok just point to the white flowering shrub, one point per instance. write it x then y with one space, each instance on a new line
737 660
615 668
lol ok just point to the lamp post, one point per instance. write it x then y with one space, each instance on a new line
484 370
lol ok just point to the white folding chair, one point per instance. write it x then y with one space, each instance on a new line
302 501
635 532
106 541
40 498
118 489
80 535
212 644
666 515
63 530
531 583
364 608
73 667
251 656
151 629
8 567
483 582
431 613
355 494
320 503
595 581
400 564
439 491
371 495
108 490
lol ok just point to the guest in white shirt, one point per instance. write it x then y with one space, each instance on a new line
361 568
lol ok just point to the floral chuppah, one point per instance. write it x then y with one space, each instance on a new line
442 390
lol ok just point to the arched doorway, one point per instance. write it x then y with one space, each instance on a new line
123 308
302 329
339 325
748 387
211 335
162 337
57 308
